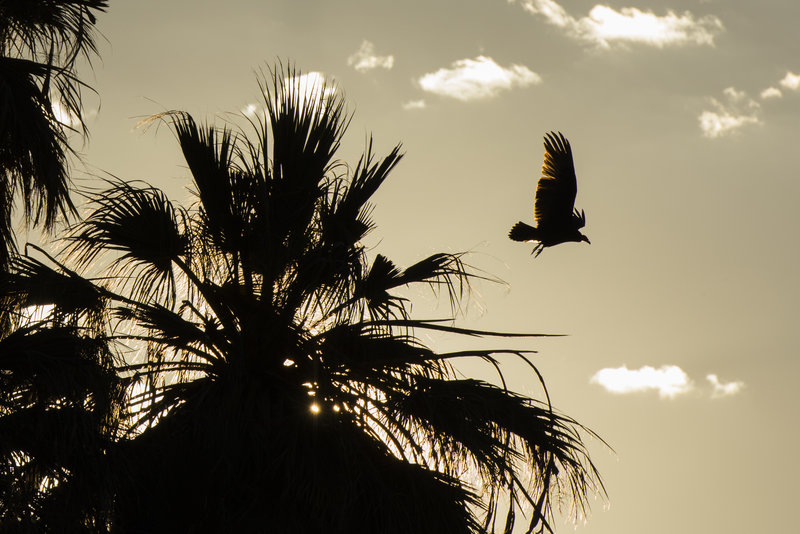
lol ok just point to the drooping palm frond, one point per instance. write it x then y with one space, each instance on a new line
40 104
30 283
33 150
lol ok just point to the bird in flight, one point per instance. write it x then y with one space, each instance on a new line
557 220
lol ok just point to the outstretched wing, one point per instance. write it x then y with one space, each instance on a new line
555 194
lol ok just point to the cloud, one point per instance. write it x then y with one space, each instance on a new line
605 25
315 89
414 104
64 115
791 81
736 110
771 92
669 380
310 88
250 111
365 59
479 78
724 389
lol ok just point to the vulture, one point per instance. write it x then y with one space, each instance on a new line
557 220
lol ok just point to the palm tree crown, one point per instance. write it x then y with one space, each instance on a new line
274 379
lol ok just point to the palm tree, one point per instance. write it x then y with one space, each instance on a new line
40 103
59 391
275 380
60 400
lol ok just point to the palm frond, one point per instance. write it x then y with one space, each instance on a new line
33 143
40 27
54 364
307 120
348 219
143 227
29 282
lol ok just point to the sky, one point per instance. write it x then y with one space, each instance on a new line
681 316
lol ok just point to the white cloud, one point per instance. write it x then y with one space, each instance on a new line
605 25
736 110
365 59
791 81
414 104
313 88
771 92
723 389
552 11
669 380
479 78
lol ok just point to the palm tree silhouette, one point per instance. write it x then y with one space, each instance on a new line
40 40
274 376
557 220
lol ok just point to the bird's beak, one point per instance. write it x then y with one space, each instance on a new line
584 238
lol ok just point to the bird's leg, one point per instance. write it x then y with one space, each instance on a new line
537 250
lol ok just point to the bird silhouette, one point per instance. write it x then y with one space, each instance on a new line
557 220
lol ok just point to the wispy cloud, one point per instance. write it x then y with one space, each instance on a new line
414 104
365 58
771 92
735 110
604 25
723 389
669 380
479 78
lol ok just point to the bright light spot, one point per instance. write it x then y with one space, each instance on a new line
315 408
288 363
335 407
34 314
668 380
723 390
311 393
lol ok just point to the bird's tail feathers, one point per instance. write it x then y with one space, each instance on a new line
523 232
